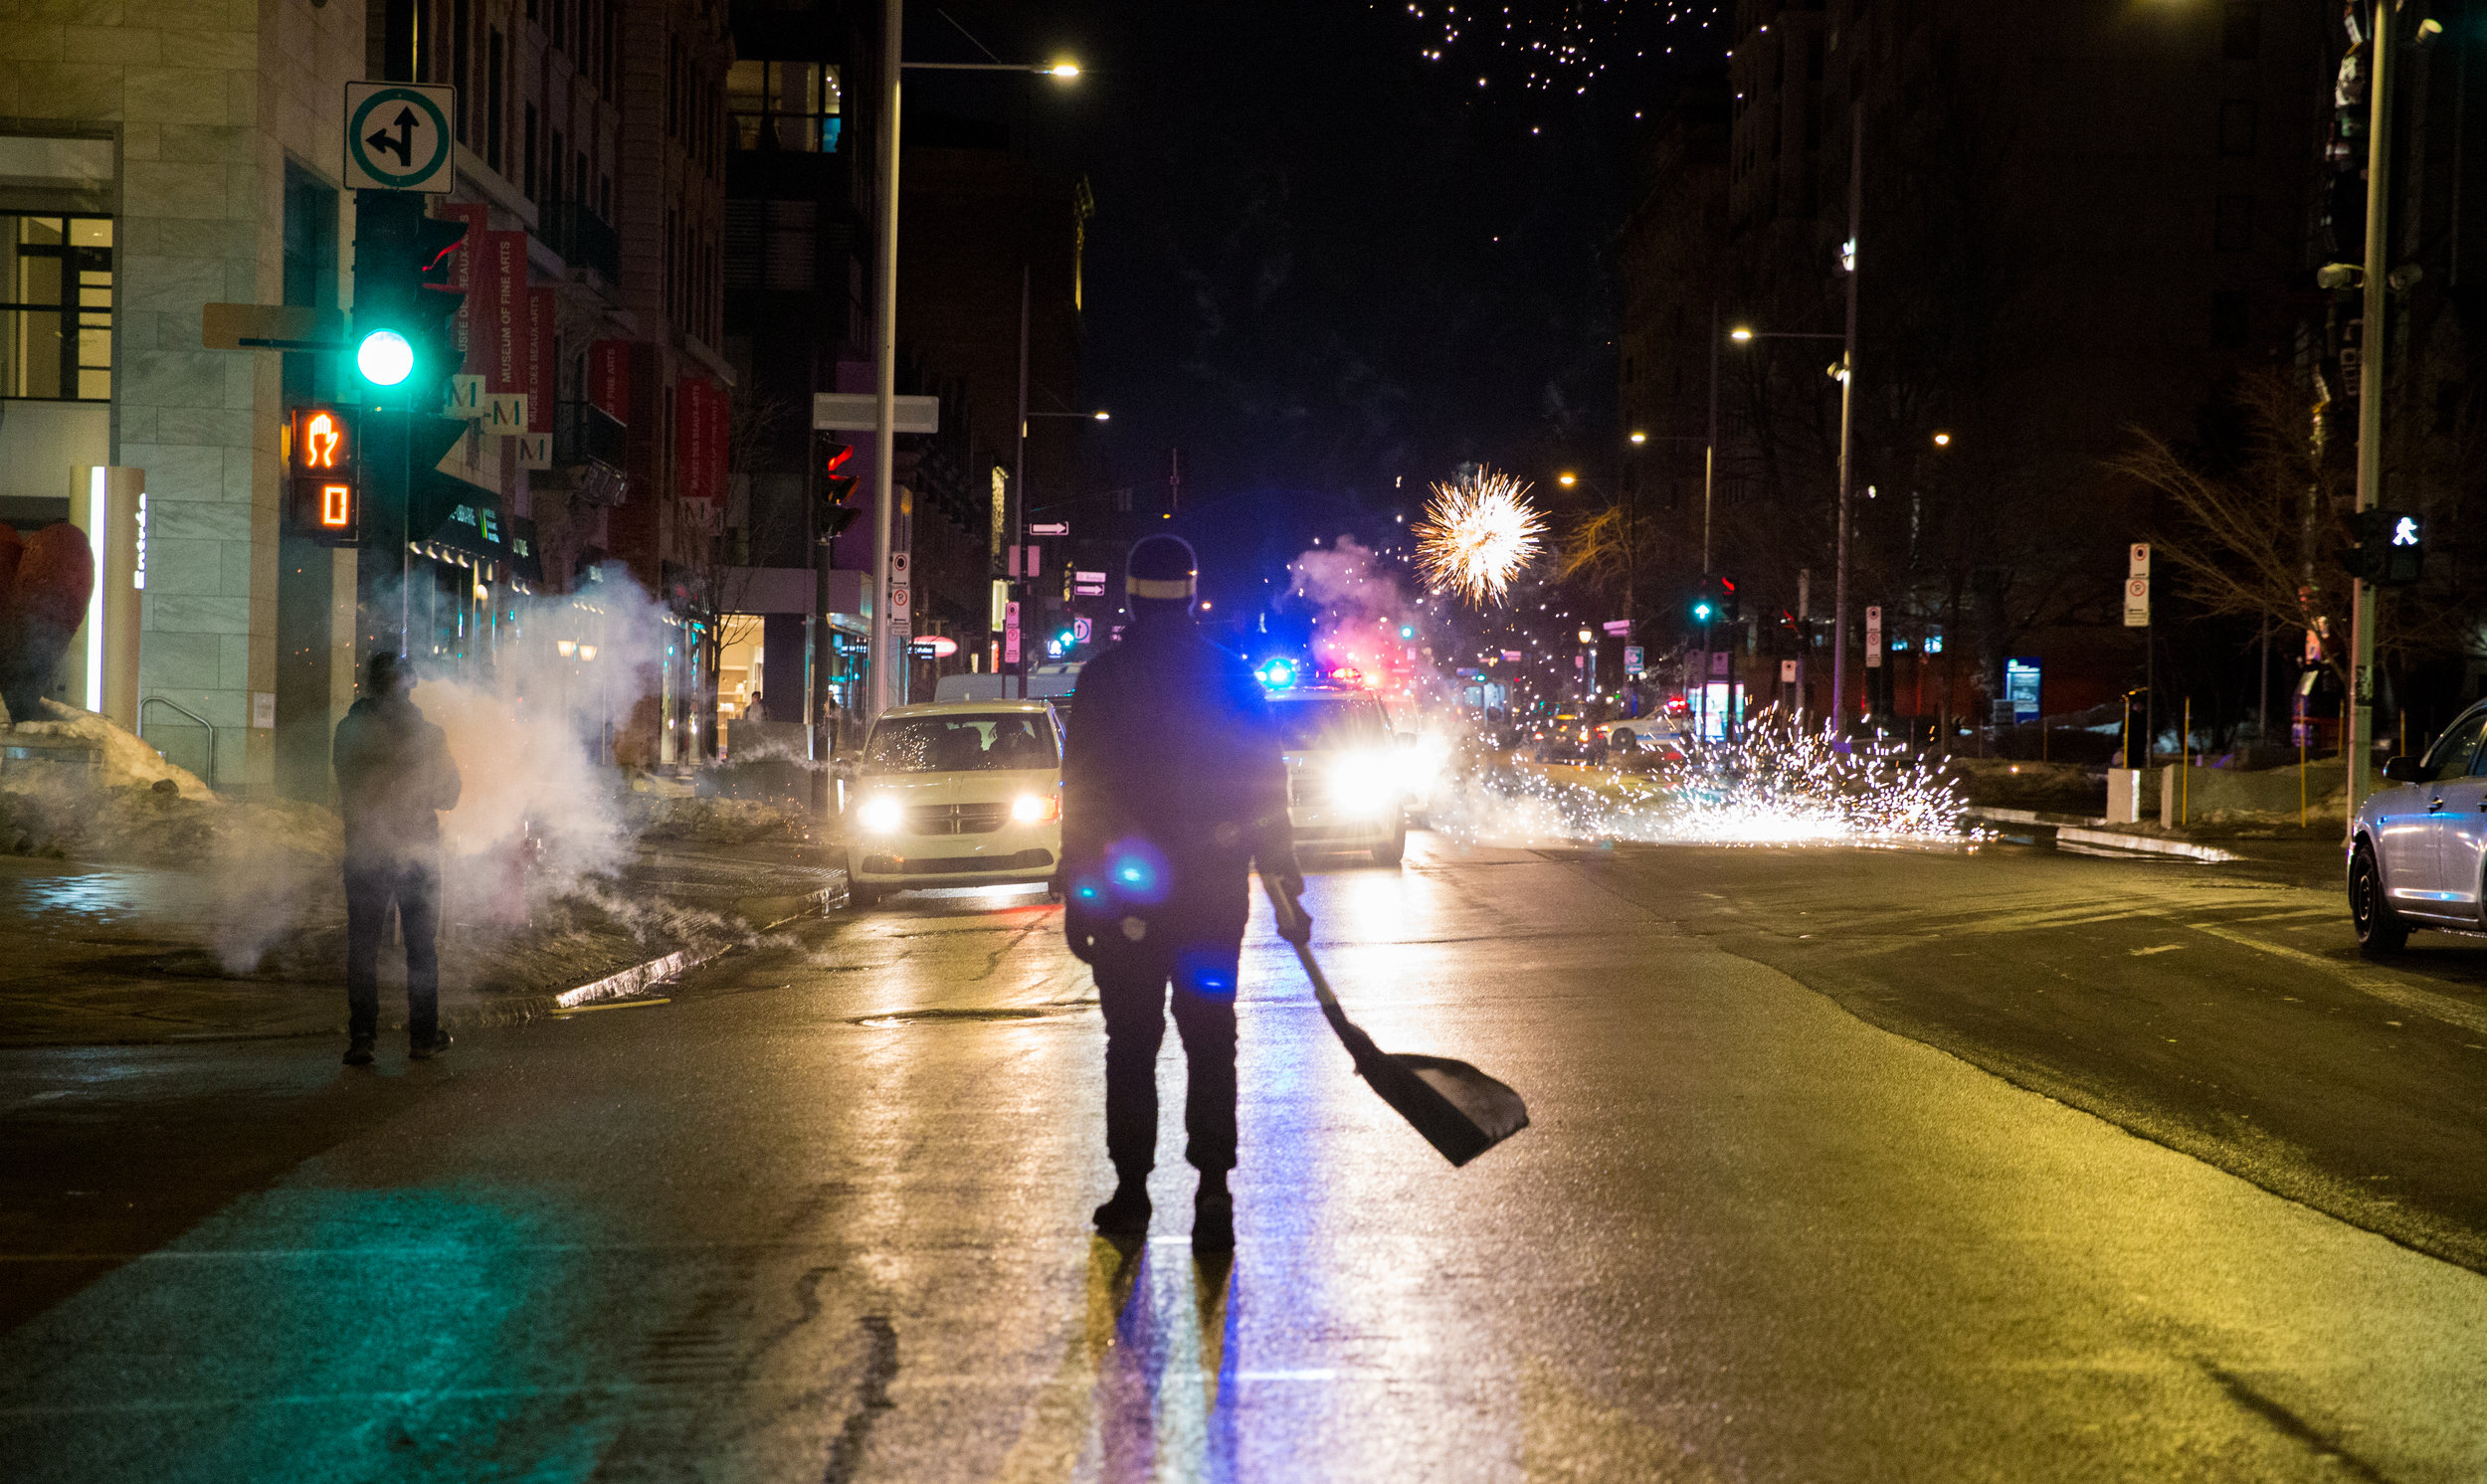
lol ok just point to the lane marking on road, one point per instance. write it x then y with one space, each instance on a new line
2143 953
2427 1002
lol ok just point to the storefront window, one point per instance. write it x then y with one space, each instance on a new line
784 105
55 308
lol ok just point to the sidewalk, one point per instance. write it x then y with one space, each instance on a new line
116 953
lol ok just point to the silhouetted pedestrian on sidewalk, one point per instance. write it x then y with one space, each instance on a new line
1172 789
394 776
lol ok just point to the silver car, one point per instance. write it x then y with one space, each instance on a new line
2417 854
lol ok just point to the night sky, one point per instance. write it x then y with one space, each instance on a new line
1327 264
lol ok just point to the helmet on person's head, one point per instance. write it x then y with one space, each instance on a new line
1163 575
387 674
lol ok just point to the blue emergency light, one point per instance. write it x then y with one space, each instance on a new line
1278 674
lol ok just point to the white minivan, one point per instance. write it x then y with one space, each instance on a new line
955 794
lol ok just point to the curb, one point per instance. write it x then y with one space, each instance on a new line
638 976
2150 843
519 1009
2079 830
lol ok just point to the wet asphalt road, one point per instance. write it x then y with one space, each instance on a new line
822 1214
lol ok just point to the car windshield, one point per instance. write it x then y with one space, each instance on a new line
964 743
1313 723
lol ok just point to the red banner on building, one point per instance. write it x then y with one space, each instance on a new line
543 376
501 298
461 260
700 413
608 378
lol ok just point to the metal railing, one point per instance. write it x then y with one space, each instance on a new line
208 776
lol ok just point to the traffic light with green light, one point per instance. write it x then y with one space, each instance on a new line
404 343
1705 607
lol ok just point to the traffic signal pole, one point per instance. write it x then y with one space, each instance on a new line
2360 739
884 429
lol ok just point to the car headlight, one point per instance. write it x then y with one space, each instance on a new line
1034 809
1364 782
881 815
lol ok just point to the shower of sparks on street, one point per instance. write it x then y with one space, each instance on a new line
1779 784
1477 536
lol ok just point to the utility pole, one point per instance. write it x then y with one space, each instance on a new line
1847 425
2383 18
1018 473
884 428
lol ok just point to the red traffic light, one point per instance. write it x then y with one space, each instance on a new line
834 456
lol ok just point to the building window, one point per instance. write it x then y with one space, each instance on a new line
458 68
494 105
2240 33
55 308
2232 231
2236 128
2230 319
528 168
784 105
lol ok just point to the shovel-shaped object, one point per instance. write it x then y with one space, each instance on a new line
1460 1110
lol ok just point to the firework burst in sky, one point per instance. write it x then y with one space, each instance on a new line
1563 46
1477 536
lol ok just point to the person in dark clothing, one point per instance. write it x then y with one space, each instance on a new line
1173 789
394 776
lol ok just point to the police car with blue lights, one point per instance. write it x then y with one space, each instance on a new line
1347 774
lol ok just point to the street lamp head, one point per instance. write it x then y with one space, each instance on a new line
1102 415
1566 480
1584 636
1065 69
1740 335
1943 440
1640 438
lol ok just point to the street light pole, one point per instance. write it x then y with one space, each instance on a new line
1019 480
1709 452
2360 744
1847 407
884 429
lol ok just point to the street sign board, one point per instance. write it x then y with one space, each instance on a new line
1087 577
1087 590
899 600
1082 631
270 327
1618 626
1787 672
397 137
2021 686
1632 659
860 412
1050 528
899 566
1873 636
2137 603
2138 562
